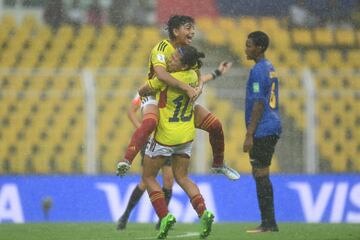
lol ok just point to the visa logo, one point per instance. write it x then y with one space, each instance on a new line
338 197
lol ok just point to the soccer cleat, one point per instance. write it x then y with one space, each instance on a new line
229 172
166 223
122 168
263 229
121 224
206 222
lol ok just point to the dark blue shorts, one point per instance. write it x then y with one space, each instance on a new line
262 151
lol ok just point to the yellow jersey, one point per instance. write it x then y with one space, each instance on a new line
176 122
160 56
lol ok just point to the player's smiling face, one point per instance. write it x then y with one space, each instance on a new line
185 33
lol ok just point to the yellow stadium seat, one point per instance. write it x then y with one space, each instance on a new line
302 37
227 24
353 57
205 24
345 37
313 58
334 58
357 33
290 58
269 24
280 39
323 37
248 24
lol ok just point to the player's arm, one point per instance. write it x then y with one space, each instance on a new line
132 110
256 114
223 68
150 87
164 76
145 90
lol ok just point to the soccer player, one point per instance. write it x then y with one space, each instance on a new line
168 178
263 125
173 137
181 32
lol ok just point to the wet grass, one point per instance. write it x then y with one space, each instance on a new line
221 231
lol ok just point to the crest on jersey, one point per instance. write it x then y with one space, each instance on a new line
256 87
161 57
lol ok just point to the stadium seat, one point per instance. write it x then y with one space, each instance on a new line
323 37
269 24
335 58
353 57
313 59
290 58
281 39
227 24
302 37
248 24
345 37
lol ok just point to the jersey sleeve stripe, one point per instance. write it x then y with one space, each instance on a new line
162 46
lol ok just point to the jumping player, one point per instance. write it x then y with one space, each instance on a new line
181 32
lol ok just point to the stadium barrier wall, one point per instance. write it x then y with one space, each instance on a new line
298 198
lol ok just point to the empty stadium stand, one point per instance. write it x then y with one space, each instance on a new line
43 121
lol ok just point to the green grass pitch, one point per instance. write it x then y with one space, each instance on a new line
221 231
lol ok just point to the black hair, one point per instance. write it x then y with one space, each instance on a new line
260 39
190 56
175 22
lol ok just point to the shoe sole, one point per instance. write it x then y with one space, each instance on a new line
121 225
234 175
122 170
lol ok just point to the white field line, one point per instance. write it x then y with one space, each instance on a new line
188 234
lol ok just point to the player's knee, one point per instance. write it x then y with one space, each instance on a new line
149 124
211 124
142 185
216 125
260 172
180 179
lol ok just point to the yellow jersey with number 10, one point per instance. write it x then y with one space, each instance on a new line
176 122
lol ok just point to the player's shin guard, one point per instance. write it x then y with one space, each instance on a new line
157 199
140 136
265 197
213 126
198 204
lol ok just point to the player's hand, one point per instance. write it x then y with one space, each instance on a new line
248 143
199 91
193 93
224 67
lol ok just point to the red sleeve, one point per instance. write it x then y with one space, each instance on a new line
136 101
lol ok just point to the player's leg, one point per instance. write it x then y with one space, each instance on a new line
151 168
207 121
260 155
168 182
180 168
140 136
134 199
